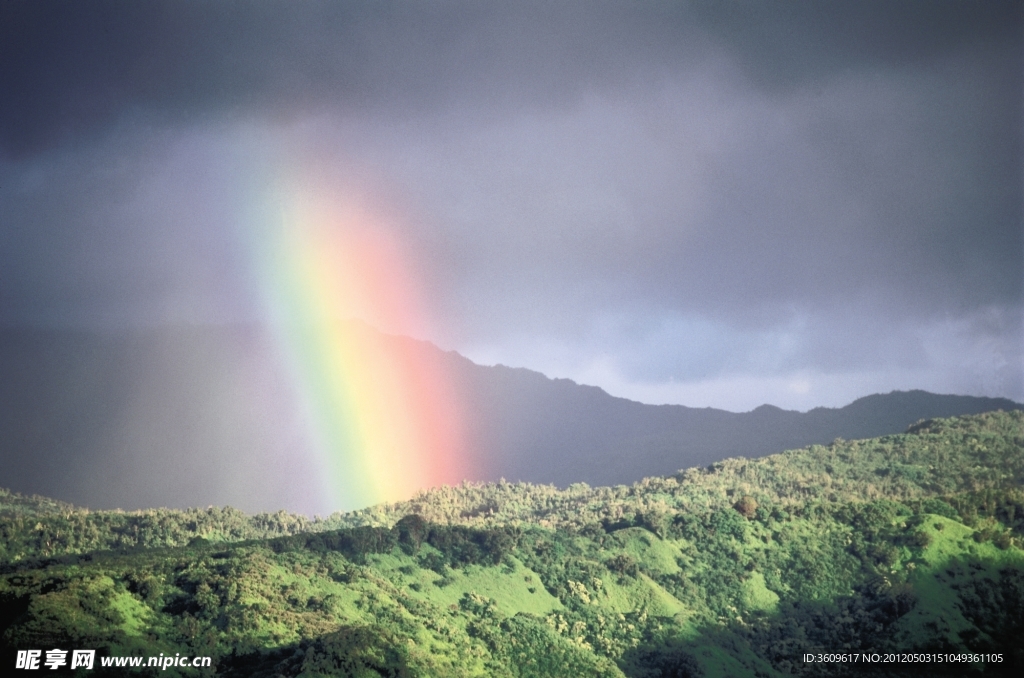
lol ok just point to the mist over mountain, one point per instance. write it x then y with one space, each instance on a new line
200 416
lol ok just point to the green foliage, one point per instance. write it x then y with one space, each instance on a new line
358 652
530 648
662 659
746 506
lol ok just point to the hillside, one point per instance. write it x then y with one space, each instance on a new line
201 416
908 543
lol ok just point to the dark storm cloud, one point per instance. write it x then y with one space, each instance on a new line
71 68
74 68
697 188
790 43
711 197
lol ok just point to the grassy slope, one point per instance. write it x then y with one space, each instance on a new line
903 542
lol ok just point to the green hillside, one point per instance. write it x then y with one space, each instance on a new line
905 547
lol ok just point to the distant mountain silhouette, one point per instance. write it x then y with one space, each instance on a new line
198 416
541 430
526 426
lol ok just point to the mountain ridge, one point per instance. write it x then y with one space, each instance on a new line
161 418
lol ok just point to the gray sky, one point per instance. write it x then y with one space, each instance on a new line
709 203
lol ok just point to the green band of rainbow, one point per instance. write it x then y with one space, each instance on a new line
387 420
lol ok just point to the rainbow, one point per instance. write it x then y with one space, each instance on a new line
386 418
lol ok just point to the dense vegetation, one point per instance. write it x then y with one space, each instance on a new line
907 543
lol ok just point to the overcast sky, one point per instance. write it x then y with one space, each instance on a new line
708 203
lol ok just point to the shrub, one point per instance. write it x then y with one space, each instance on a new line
747 506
